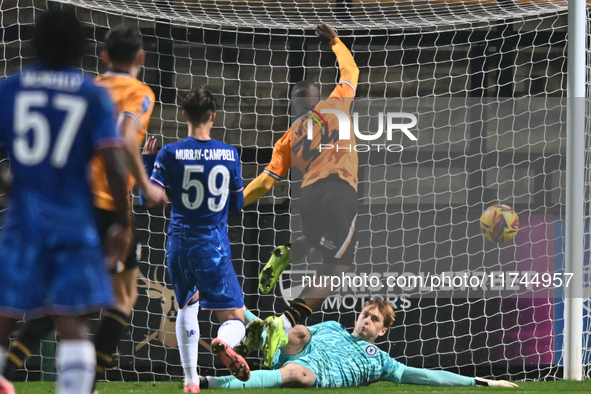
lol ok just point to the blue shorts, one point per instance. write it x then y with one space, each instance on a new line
53 272
199 261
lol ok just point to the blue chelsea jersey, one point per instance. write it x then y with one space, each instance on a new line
52 123
201 177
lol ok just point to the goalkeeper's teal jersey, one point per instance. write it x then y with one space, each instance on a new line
340 359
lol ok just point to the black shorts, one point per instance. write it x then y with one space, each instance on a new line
104 220
329 216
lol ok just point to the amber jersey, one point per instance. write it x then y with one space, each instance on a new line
327 153
132 98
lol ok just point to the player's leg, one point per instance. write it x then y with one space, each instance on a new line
188 334
329 217
80 284
254 337
229 335
295 375
280 258
6 325
290 375
17 295
276 339
298 338
313 297
221 292
233 328
75 358
27 342
113 323
185 283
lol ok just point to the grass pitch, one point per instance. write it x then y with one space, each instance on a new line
377 388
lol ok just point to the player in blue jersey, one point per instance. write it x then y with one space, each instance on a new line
327 355
54 119
203 179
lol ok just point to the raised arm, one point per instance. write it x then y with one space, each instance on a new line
152 194
149 158
347 65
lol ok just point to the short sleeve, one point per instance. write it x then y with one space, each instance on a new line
104 135
159 174
281 159
343 89
139 105
236 183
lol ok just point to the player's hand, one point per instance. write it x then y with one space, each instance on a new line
495 383
154 195
325 32
116 245
150 147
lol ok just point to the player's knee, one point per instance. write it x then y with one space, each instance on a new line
297 376
125 287
298 334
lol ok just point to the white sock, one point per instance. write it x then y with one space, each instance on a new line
232 332
187 335
286 324
2 359
76 363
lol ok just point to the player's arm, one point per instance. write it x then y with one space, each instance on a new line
277 169
149 159
347 65
236 188
258 187
114 159
426 377
117 239
152 194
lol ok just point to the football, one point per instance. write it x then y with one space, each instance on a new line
499 223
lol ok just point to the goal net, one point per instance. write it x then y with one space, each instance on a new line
487 82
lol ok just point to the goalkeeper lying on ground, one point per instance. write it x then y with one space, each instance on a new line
326 355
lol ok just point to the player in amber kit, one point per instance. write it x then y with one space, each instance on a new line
134 101
54 119
124 57
329 185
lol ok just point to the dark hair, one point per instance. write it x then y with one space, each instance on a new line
59 40
122 45
385 309
305 89
199 104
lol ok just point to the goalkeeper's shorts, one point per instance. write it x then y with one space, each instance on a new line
329 217
202 262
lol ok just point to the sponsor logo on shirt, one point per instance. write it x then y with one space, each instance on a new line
146 104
